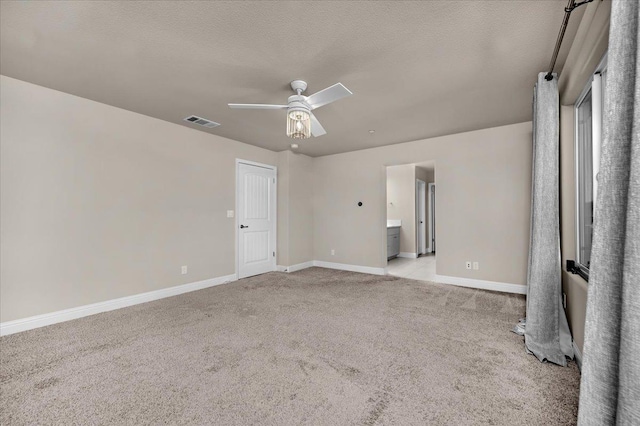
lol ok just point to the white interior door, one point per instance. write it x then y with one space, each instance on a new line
432 216
256 199
421 225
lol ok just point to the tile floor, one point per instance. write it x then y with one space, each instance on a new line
422 268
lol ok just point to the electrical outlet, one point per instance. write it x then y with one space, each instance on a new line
476 265
468 264
229 213
333 252
184 270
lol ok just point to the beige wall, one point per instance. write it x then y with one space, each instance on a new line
300 208
284 172
99 203
483 209
586 52
295 208
401 203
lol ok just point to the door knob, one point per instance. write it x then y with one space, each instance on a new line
243 226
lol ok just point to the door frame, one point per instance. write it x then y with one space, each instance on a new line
274 209
421 200
431 213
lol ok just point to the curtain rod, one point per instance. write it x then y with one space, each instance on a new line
567 13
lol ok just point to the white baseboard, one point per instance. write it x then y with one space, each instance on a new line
353 268
24 324
482 284
577 355
332 265
408 255
297 267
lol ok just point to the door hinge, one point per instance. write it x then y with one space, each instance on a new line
274 254
274 180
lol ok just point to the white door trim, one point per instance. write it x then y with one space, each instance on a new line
421 230
432 230
274 237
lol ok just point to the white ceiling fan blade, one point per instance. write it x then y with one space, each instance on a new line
328 95
316 127
257 106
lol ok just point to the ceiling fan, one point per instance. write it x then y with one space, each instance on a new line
301 123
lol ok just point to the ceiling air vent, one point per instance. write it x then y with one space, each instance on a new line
201 121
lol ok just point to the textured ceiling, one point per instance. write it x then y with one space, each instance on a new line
417 69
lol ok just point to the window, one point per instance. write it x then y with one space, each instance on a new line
588 137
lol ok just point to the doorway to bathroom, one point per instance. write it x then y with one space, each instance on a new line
411 220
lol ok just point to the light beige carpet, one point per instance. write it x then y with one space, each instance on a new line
313 347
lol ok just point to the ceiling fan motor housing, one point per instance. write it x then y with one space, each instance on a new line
298 103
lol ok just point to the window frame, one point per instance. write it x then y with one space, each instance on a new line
597 110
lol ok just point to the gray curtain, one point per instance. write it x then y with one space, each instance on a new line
610 390
547 333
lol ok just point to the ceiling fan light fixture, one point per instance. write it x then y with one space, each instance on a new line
301 123
298 123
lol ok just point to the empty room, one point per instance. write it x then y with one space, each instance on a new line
320 212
